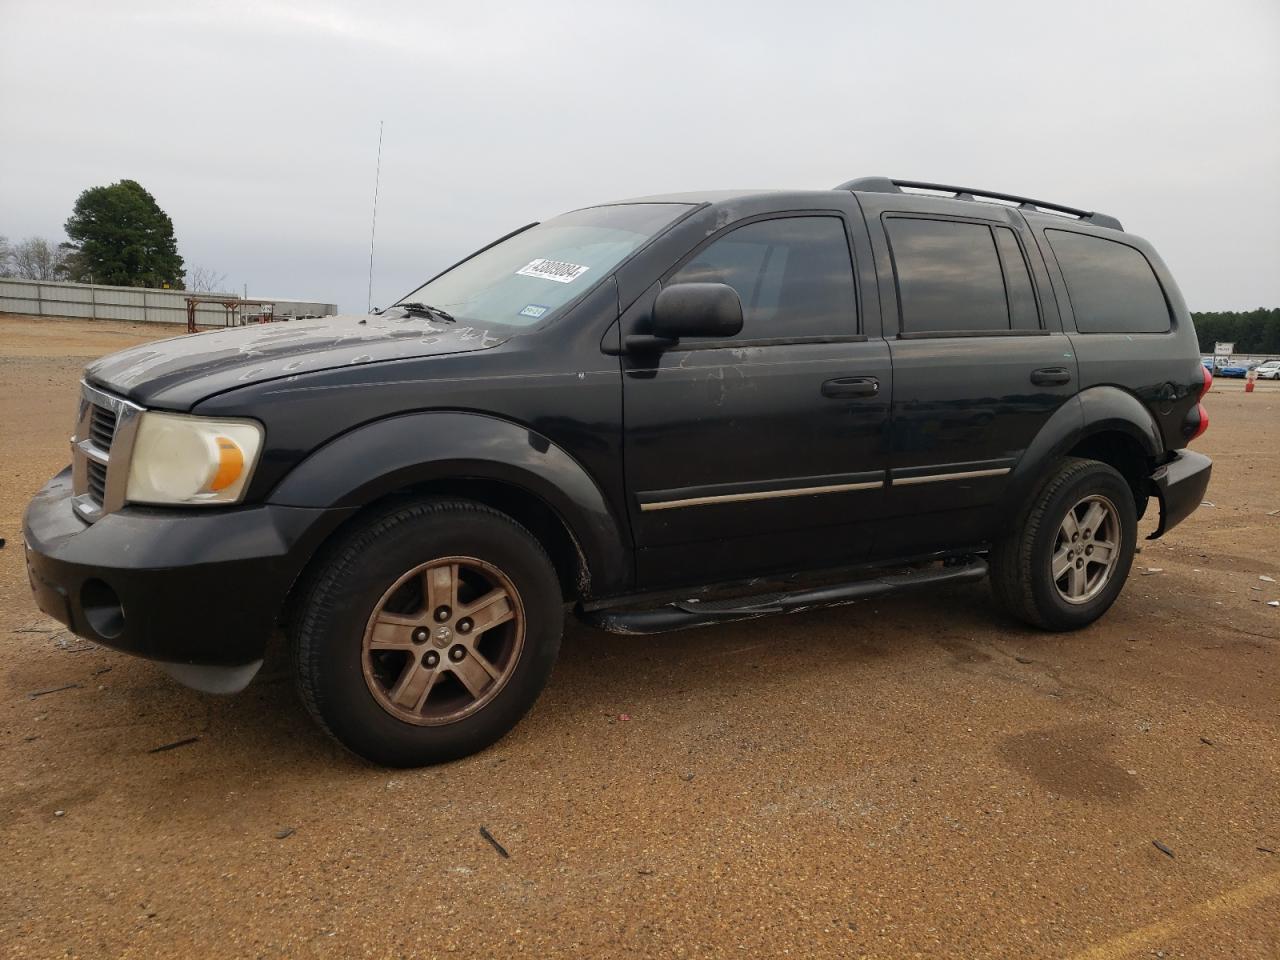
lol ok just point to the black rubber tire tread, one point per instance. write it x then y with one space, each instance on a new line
327 598
1012 563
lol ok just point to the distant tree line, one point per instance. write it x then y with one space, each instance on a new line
1252 331
118 236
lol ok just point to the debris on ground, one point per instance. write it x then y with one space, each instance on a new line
1273 603
686 777
173 746
502 851
1150 570
285 833
1023 659
33 630
70 644
1265 579
1162 848
36 694
624 716
1206 503
59 813
1264 850
1206 741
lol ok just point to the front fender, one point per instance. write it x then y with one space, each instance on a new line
1092 411
390 455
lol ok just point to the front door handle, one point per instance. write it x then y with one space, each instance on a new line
850 387
1050 376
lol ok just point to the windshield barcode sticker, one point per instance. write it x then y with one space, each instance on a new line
556 270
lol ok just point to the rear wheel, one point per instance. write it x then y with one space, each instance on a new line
428 633
1067 560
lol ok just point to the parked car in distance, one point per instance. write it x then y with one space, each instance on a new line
1269 370
1236 370
660 413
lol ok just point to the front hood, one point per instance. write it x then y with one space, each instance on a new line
183 370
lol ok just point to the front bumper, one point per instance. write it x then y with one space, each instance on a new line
190 588
1179 485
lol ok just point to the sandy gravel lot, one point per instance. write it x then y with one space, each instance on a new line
914 777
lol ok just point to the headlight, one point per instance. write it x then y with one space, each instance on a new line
191 460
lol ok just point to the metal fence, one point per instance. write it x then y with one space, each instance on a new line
56 298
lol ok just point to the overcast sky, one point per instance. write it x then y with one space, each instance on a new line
255 125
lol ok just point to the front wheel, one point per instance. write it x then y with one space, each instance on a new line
428 633
1067 560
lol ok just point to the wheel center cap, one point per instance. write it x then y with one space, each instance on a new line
442 636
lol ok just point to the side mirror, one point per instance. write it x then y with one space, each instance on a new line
697 310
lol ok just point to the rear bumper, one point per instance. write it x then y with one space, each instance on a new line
188 588
1179 485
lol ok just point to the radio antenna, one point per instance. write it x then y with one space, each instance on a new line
373 229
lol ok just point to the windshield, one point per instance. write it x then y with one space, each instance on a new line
522 280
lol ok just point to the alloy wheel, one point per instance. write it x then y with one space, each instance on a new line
1085 550
443 640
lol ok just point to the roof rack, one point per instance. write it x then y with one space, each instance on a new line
886 185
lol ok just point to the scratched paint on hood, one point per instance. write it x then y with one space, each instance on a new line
259 352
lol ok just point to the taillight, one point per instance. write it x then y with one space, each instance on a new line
1201 423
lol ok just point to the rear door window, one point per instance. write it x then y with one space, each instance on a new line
950 278
794 276
1111 286
1024 314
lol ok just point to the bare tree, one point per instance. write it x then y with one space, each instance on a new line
35 258
203 280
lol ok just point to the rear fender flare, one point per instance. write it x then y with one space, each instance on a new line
1092 411
388 456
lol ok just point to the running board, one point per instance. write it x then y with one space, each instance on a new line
684 614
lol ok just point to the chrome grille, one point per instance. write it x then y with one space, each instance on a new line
100 452
102 426
97 481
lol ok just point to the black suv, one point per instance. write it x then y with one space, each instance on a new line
666 412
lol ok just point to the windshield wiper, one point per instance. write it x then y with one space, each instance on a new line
427 310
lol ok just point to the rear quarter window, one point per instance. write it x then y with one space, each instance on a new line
1111 285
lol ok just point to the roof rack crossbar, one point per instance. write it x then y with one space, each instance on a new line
887 185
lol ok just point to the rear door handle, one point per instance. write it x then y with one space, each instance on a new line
850 387
1050 376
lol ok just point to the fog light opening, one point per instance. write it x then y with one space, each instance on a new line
102 609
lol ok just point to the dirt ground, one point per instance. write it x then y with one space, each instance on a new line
911 777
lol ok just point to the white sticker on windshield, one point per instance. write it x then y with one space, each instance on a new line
556 270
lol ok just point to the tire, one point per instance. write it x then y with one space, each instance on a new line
369 626
1022 564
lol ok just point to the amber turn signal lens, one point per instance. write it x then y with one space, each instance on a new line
230 464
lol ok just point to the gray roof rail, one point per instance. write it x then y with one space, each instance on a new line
886 185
